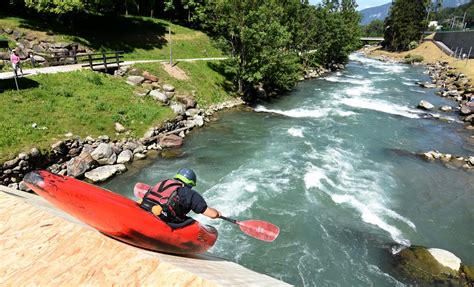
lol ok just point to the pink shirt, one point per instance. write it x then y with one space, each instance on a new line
14 59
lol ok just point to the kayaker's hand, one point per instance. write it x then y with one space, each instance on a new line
212 213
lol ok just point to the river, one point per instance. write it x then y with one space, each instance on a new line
328 164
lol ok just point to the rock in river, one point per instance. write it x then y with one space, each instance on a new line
104 172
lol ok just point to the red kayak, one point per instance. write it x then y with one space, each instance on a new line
120 217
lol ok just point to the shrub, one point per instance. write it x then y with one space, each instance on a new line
410 59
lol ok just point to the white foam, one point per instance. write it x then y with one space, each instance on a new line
348 184
408 83
418 91
381 106
296 132
390 67
355 81
296 113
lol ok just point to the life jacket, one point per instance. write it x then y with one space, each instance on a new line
164 194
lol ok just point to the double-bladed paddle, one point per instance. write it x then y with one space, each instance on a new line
258 229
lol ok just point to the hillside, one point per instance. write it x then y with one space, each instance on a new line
382 11
139 37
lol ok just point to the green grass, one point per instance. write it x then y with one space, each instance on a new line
139 37
84 103
209 85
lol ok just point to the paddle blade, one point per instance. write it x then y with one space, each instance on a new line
259 229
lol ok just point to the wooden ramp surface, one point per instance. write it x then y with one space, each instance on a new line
40 245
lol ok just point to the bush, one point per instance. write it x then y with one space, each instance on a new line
410 59
412 45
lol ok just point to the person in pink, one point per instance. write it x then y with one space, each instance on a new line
15 59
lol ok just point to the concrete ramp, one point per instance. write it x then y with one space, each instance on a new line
41 245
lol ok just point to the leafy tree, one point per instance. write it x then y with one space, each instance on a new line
257 41
405 24
374 29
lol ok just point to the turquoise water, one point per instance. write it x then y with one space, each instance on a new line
328 165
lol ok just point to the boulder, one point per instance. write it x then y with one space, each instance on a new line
471 160
38 59
104 154
446 108
76 167
171 141
139 156
125 156
198 121
192 112
178 108
188 101
104 138
469 119
466 110
104 172
135 80
119 128
159 96
429 267
425 105
150 77
34 152
11 163
168 88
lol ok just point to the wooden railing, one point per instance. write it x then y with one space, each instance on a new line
103 61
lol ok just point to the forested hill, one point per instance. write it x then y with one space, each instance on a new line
267 42
382 11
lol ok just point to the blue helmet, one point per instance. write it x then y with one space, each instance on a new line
187 176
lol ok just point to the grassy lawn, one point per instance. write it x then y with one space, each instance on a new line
84 103
139 37
209 85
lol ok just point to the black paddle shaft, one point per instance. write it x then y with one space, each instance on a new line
229 219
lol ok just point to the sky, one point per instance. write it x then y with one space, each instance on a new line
362 3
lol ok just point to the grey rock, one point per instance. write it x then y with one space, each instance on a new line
168 88
135 80
78 166
159 96
188 101
466 110
178 108
139 156
471 160
149 133
130 145
104 138
39 59
192 112
198 120
104 154
446 108
427 85
22 186
23 156
119 128
34 152
425 105
104 172
169 94
13 185
125 156
11 163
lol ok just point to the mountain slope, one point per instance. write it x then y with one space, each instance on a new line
381 12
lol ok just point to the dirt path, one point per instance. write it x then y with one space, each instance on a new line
70 68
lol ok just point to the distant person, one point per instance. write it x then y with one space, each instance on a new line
172 199
16 62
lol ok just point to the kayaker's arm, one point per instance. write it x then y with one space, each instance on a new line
212 213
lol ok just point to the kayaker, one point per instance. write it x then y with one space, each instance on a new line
173 199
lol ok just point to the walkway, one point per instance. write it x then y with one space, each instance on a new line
40 245
70 68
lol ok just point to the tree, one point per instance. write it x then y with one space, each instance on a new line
253 34
374 29
405 23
